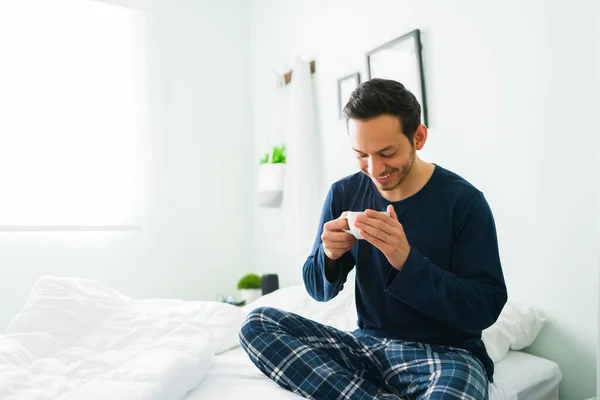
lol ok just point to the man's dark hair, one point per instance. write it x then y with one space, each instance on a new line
378 97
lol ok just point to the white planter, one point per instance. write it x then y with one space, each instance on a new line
271 177
271 180
249 295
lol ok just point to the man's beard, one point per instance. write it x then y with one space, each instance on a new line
401 174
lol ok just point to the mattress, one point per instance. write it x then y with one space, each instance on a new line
518 376
524 376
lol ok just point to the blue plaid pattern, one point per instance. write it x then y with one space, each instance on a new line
317 361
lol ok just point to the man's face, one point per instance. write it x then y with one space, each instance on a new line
382 151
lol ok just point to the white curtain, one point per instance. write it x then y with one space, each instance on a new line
302 198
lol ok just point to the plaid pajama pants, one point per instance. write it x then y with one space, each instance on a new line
317 362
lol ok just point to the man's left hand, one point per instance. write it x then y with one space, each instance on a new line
385 233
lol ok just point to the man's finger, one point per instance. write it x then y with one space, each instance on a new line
336 225
334 236
338 246
374 232
379 215
345 241
374 223
373 240
390 209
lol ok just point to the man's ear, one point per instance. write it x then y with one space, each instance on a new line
420 137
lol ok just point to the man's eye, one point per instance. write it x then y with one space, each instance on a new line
362 155
387 155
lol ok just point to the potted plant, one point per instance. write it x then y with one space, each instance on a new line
249 287
271 177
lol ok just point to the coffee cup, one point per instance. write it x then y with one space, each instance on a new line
351 217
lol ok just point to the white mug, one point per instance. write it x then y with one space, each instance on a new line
351 217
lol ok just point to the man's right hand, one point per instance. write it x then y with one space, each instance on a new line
336 242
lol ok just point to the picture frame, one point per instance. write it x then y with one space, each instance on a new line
346 86
401 60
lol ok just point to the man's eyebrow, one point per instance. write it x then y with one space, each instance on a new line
390 147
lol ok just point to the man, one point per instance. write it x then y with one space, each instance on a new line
428 276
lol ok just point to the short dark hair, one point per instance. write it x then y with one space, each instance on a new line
377 97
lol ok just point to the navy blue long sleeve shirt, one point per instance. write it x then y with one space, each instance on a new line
451 286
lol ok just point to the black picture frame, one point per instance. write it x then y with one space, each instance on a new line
409 71
346 86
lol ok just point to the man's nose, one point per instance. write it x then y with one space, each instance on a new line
376 167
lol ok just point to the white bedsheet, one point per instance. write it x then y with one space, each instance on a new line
519 376
77 339
524 376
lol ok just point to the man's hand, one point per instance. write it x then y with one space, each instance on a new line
385 233
335 241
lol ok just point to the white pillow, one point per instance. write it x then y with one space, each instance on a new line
516 328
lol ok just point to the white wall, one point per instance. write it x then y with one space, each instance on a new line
513 92
193 242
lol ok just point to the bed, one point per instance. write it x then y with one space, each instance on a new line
76 338
518 376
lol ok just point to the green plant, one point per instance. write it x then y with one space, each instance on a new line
249 281
278 155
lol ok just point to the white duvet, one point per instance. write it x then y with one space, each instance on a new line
77 339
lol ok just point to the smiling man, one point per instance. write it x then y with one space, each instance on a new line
428 276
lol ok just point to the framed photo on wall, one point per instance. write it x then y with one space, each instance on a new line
401 60
346 86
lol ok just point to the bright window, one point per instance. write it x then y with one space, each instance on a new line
72 115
